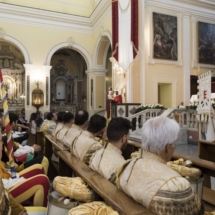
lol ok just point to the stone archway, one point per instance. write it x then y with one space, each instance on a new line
70 67
12 61
20 46
75 47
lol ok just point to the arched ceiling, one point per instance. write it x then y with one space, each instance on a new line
75 7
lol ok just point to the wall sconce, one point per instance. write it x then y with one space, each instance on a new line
37 96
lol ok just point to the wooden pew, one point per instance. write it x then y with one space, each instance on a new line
207 150
114 197
54 169
39 139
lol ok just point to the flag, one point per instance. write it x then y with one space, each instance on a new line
6 121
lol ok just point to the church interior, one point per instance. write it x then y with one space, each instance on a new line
131 59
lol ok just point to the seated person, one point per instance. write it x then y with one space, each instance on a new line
21 153
60 124
22 189
85 144
22 123
49 124
81 121
109 159
39 120
33 125
23 165
20 165
148 179
68 121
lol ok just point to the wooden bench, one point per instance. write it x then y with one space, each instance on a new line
114 197
207 150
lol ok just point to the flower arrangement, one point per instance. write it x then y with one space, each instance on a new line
193 105
148 106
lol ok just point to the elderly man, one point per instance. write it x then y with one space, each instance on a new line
85 144
81 121
109 159
148 179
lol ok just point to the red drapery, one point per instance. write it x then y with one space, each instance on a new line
134 26
115 22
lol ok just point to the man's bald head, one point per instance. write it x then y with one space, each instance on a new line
81 117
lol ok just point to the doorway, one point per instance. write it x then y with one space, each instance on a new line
165 95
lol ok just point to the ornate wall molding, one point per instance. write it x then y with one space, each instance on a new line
2 33
96 72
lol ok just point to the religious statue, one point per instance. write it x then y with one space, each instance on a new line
110 93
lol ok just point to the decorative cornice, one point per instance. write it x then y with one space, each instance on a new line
96 72
49 19
194 7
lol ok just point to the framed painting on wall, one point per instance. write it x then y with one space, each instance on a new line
165 45
206 43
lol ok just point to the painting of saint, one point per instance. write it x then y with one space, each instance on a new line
165 37
206 42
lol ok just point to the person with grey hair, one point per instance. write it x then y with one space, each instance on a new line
159 136
148 179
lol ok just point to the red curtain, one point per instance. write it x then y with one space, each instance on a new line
213 87
115 22
134 26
